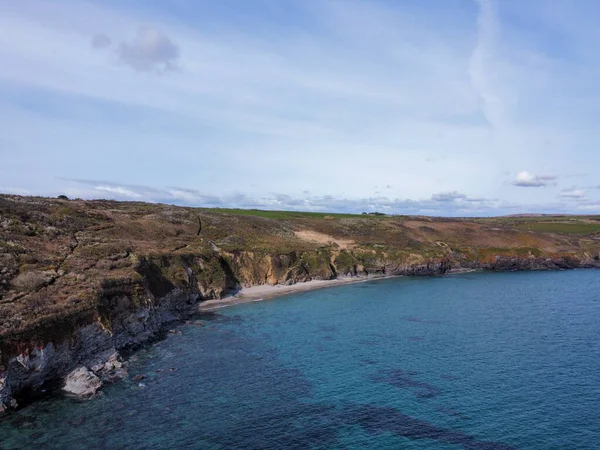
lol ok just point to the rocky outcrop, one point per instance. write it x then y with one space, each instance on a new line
82 383
112 370
514 264
36 363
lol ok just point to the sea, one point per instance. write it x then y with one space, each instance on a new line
465 361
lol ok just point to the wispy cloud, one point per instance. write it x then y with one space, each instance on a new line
573 193
100 41
14 190
483 59
448 196
117 190
439 103
451 203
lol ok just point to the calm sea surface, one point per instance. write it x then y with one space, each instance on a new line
476 361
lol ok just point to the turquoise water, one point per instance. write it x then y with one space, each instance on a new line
476 361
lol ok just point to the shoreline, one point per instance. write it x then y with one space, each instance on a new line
262 292
249 294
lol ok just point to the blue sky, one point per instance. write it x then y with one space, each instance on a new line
441 107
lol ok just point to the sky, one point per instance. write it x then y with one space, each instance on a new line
437 107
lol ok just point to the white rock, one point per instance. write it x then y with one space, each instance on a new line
82 383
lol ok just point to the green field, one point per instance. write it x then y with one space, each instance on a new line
286 214
561 227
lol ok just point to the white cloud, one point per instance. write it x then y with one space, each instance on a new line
150 50
118 191
589 208
526 179
574 194
448 196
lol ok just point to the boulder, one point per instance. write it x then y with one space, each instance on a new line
114 369
82 383
11 404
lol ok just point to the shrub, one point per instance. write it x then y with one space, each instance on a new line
30 281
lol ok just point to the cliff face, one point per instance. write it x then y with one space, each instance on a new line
82 281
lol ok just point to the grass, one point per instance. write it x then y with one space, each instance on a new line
561 227
287 214
540 218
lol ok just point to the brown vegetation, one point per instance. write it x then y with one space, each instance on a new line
61 260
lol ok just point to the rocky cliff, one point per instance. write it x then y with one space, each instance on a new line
81 281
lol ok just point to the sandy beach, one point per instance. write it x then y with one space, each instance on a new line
267 291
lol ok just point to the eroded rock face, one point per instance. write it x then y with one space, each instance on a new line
82 383
6 400
36 365
92 348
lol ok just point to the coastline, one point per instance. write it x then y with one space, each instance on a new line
125 273
261 292
462 270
